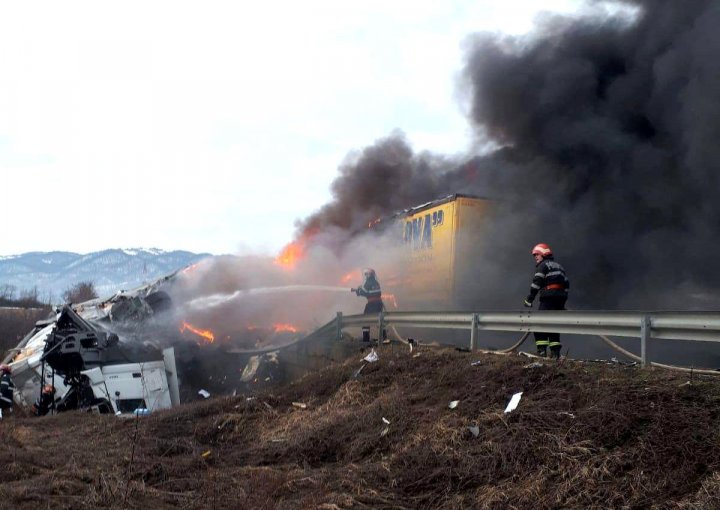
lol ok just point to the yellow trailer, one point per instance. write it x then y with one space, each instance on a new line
442 239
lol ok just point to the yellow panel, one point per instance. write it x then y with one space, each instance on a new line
431 237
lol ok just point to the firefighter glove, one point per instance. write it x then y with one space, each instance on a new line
353 290
527 303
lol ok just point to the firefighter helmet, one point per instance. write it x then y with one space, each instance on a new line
5 369
368 273
542 249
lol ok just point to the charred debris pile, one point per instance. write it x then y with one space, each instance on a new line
582 436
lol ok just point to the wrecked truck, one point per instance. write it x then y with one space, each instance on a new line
78 350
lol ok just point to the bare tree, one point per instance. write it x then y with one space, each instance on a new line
29 298
7 291
81 291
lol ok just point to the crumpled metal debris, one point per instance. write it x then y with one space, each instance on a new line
204 393
514 401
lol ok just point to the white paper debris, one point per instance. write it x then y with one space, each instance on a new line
514 401
453 404
299 404
387 427
372 357
474 430
476 363
204 393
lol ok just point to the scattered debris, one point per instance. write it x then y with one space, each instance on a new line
565 413
453 404
535 364
476 363
514 401
300 405
474 430
372 357
204 393
686 383
356 373
205 454
387 427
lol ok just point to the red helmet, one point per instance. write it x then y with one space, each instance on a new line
541 249
5 369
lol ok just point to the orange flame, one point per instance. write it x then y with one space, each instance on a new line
294 251
290 255
278 328
391 298
373 222
191 268
208 335
349 277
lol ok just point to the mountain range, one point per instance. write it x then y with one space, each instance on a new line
109 270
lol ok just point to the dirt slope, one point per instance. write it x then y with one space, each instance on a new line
583 436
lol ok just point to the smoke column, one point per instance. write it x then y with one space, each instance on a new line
608 136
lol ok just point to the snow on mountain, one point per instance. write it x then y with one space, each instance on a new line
109 270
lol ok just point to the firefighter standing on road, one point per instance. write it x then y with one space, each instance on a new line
552 285
370 289
6 389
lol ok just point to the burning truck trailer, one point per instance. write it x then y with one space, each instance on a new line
440 240
80 351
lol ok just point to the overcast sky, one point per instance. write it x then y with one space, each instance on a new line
213 126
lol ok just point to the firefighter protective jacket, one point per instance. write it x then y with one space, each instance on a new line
6 391
370 289
549 280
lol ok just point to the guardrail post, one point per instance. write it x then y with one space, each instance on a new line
645 327
381 321
338 326
474 332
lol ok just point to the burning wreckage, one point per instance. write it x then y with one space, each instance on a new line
118 355
89 354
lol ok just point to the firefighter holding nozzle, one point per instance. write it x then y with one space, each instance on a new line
370 289
551 283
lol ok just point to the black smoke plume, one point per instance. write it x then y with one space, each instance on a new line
609 151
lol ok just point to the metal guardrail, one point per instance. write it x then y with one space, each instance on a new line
690 326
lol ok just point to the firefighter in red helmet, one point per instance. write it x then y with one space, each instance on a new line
551 283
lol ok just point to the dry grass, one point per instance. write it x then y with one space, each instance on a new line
582 437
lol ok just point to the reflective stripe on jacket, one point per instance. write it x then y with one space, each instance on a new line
549 280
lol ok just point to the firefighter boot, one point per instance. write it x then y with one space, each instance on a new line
555 352
542 351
